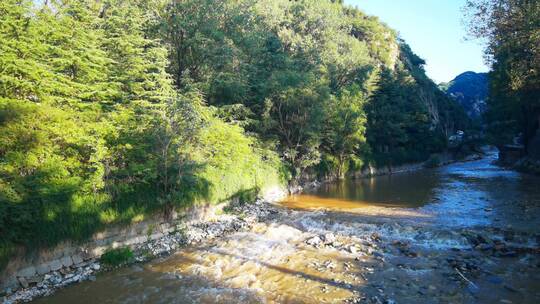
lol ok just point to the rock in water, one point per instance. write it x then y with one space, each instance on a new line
314 241
329 238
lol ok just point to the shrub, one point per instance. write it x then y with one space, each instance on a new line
235 164
118 256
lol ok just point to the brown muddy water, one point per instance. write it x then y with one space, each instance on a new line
464 233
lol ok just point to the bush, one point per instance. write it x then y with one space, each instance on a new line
235 164
118 256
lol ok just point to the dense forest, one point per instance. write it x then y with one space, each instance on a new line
512 31
113 110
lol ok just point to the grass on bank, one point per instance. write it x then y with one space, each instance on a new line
116 257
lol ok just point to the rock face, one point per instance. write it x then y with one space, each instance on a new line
470 89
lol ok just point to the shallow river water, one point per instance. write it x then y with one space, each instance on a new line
464 233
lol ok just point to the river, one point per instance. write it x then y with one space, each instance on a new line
463 233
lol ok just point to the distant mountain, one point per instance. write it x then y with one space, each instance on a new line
470 89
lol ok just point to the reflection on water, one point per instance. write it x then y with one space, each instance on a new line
412 189
462 194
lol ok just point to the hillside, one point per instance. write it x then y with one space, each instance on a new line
114 110
470 89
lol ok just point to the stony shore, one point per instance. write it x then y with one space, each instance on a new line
239 217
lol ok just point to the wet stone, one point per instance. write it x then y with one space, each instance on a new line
314 241
34 279
329 238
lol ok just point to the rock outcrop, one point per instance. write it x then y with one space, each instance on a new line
470 89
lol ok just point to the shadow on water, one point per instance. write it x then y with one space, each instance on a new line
289 271
409 189
464 194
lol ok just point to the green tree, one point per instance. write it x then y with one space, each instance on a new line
295 116
113 110
512 31
344 129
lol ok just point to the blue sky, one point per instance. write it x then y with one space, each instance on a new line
434 29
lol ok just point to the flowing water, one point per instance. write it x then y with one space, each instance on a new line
463 233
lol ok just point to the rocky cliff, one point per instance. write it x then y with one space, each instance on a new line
470 89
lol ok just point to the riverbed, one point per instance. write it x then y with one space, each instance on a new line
463 233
